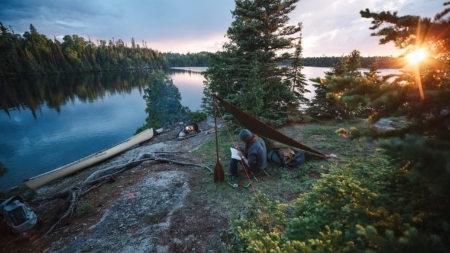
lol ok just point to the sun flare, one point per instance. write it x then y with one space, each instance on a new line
417 56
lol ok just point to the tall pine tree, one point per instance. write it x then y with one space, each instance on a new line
247 72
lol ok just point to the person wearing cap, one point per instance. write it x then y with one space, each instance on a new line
253 155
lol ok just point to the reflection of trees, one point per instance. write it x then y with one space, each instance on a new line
3 169
163 102
56 91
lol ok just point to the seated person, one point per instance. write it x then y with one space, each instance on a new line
253 155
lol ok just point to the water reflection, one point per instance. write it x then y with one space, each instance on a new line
190 84
53 121
56 91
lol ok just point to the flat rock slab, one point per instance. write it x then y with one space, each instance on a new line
135 219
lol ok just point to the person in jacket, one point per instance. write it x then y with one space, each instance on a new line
253 155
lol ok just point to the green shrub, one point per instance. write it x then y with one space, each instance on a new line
364 205
197 116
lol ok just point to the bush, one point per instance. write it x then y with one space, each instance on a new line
197 116
365 205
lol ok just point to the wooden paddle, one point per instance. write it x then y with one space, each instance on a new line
219 175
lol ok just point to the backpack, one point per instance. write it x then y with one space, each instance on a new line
286 157
19 217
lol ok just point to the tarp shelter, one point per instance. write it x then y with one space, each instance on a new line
262 129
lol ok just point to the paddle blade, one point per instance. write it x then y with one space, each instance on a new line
219 175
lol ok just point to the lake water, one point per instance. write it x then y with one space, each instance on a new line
50 122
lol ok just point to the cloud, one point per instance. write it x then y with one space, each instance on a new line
336 27
70 24
329 27
104 19
208 42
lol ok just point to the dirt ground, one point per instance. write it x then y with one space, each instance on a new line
146 209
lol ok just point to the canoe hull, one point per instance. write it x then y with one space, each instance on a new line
70 168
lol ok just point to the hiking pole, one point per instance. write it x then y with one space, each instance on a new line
218 170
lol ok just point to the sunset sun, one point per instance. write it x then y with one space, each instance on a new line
416 56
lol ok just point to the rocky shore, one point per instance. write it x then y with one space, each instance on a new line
146 209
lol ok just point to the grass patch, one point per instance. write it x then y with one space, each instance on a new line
283 184
209 149
84 208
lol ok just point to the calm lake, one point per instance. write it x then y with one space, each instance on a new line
50 122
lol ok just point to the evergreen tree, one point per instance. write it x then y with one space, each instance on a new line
424 143
297 80
35 54
321 106
247 72
7 51
188 60
353 63
327 102
421 148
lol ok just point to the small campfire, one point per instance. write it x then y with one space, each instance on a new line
188 128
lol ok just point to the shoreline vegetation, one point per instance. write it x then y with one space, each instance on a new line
33 54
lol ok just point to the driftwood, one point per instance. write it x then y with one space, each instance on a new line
100 177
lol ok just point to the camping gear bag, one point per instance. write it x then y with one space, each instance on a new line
19 217
286 157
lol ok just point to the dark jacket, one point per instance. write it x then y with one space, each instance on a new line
256 154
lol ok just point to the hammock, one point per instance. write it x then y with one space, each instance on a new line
262 129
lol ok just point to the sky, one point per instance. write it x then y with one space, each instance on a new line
330 27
